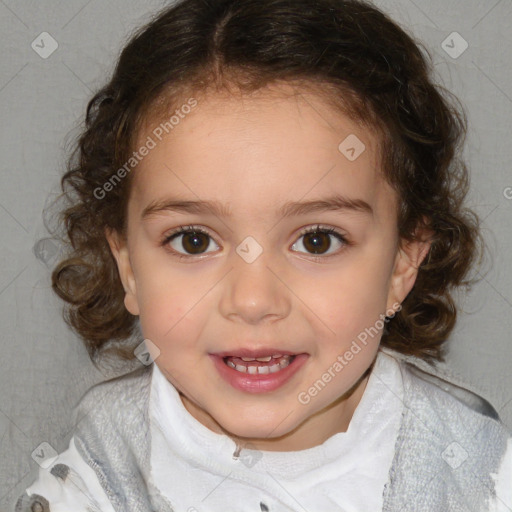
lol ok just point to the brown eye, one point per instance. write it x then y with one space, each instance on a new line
320 240
195 243
317 243
189 242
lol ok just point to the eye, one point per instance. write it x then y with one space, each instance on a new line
318 240
189 241
192 239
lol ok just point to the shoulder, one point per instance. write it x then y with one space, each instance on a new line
443 389
128 387
453 414
450 439
116 401
67 483
502 502
448 396
428 386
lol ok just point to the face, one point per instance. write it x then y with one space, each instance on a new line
252 234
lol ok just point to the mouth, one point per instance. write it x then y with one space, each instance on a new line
259 365
258 371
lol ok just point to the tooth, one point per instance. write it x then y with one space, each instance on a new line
246 359
274 368
263 369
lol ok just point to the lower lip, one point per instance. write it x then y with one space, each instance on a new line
258 383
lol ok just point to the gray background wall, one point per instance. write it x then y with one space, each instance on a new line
43 366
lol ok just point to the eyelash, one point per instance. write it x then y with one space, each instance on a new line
197 229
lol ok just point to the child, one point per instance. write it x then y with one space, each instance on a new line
272 189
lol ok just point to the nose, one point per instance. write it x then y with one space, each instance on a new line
255 292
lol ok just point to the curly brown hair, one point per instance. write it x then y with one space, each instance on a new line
346 50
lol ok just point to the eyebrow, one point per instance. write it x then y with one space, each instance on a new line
289 209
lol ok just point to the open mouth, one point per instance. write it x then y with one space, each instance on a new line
260 371
259 365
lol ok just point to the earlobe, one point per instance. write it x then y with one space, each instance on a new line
408 260
120 251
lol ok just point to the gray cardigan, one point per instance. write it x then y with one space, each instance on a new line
449 442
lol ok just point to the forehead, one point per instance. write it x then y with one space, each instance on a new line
259 151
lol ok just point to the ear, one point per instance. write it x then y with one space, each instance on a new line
408 260
119 249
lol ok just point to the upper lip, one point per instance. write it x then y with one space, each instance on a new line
261 352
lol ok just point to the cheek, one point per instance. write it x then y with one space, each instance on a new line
351 299
169 309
